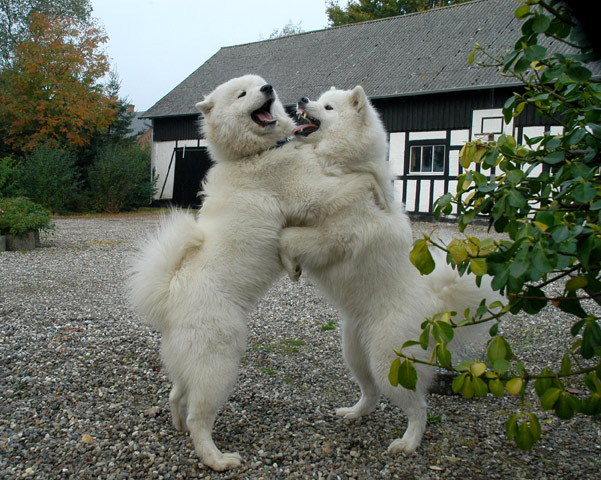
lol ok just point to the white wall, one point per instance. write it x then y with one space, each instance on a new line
161 155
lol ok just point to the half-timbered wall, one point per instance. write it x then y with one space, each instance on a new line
426 133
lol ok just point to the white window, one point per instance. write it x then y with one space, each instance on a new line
427 159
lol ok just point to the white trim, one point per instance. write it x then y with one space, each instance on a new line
433 135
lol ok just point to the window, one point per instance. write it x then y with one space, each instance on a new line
428 158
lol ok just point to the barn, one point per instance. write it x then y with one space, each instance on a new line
413 67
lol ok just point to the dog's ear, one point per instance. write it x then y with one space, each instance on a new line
358 98
205 106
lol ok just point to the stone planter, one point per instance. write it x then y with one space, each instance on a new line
26 241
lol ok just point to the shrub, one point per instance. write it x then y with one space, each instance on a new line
121 178
19 215
10 177
545 197
49 177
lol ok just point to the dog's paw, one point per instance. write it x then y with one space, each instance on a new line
403 445
349 413
223 461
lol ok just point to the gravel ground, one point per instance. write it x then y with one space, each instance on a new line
83 395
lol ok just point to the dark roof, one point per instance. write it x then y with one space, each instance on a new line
405 55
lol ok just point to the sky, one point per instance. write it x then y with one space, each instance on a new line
155 44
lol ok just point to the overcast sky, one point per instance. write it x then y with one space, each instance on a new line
155 44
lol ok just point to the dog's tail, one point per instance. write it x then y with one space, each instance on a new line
155 263
458 293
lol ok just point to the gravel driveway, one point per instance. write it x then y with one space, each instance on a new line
83 395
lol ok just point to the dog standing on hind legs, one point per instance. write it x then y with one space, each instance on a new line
359 257
197 278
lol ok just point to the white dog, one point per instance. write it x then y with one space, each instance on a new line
360 259
197 278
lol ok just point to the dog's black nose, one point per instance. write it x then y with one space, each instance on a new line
303 100
267 88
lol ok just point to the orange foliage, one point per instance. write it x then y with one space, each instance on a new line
52 91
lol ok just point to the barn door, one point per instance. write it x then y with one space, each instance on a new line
191 166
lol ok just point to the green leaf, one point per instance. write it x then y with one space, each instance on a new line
524 438
554 158
564 407
541 23
566 364
407 375
571 304
424 338
442 331
584 193
549 398
457 384
444 355
393 375
480 387
497 350
535 52
541 385
421 257
467 389
511 426
496 387
522 11
544 261
534 301
579 73
576 283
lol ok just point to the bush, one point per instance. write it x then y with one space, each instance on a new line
49 177
19 215
545 197
120 178
10 177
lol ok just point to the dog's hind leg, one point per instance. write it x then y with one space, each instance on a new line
357 360
212 378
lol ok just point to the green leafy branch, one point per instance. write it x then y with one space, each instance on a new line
544 199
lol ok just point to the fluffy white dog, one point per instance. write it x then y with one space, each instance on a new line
197 278
360 259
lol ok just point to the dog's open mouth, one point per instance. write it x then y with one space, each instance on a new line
306 124
262 116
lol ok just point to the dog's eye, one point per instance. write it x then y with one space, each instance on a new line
242 93
329 107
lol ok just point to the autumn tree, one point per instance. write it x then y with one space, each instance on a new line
362 10
51 92
15 16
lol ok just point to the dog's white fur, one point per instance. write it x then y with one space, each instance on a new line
360 259
196 279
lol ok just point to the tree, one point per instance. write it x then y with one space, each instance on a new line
545 197
15 16
288 29
364 10
52 93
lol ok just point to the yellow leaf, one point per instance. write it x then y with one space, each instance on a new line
85 438
514 386
478 266
477 369
457 250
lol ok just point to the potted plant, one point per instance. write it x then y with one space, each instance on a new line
20 223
